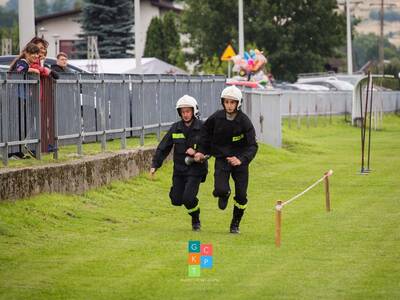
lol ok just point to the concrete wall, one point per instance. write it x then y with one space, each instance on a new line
74 177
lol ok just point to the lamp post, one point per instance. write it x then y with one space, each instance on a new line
349 48
241 30
56 37
138 42
26 21
41 32
398 77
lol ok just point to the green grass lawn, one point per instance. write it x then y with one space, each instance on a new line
125 240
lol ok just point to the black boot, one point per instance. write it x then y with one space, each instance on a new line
237 217
223 201
234 226
196 225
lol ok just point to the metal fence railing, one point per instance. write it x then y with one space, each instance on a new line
42 115
79 108
267 108
19 110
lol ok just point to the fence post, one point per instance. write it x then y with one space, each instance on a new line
103 116
278 223
290 113
327 194
159 107
79 99
38 147
55 120
298 119
142 100
5 121
125 99
316 115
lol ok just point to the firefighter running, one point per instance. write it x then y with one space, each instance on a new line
184 136
229 136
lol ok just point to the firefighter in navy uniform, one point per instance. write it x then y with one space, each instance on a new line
229 136
184 137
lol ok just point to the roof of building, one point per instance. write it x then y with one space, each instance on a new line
58 14
166 4
150 65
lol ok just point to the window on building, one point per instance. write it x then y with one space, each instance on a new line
69 47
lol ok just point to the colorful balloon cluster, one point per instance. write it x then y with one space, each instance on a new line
251 63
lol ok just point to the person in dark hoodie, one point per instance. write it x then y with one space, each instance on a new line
184 137
229 136
61 65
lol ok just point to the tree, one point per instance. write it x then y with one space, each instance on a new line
304 35
366 48
298 35
12 5
209 30
154 46
41 7
9 27
7 18
59 5
171 38
111 21
162 40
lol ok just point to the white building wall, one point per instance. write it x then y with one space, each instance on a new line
66 27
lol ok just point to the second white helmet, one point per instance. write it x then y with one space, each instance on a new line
188 101
233 93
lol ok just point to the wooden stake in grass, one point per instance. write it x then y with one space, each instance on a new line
327 194
278 223
327 198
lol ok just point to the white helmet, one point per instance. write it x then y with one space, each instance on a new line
188 101
233 93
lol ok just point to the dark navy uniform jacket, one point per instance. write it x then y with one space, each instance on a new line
221 137
181 137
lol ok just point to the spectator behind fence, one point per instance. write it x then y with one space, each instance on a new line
23 64
61 65
39 64
25 61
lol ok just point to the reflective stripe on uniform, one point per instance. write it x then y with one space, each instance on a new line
178 136
193 209
237 138
240 206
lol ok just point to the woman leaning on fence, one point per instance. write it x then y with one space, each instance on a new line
39 63
23 64
25 61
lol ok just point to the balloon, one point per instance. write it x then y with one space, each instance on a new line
252 54
246 56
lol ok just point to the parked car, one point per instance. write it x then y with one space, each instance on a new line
6 60
309 87
300 87
328 81
4 68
